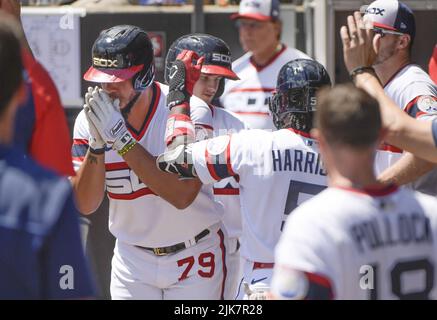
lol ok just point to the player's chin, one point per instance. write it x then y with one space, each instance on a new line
207 97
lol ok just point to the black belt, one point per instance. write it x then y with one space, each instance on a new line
176 247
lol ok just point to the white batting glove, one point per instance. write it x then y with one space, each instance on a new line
106 117
95 140
255 293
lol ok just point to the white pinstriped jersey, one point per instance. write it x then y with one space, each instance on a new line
227 191
412 89
276 171
353 240
136 215
248 97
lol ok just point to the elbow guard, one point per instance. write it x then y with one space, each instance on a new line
178 160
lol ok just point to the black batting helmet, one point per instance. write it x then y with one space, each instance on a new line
215 51
121 53
293 103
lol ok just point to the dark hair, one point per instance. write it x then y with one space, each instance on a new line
11 66
348 116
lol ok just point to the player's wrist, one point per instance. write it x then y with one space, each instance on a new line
361 70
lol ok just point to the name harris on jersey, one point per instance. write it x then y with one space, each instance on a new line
298 161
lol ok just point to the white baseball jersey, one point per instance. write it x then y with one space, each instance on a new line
136 215
412 89
248 97
359 244
276 171
227 191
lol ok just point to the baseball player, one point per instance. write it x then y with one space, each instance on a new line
276 170
260 28
358 239
216 68
401 130
169 239
407 84
41 256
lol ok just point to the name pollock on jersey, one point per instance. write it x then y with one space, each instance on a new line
371 235
298 161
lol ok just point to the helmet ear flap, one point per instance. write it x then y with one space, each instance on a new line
144 78
220 89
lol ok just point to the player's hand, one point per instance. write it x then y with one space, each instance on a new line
183 75
106 117
95 141
358 38
178 161
255 293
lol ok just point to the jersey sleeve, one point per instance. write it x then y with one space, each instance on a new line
202 117
51 129
304 259
423 106
228 156
67 272
80 140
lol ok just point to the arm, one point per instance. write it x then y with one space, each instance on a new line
105 116
407 169
89 183
88 153
402 130
180 193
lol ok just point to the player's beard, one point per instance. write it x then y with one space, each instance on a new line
384 55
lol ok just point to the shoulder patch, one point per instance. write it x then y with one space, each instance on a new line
427 104
218 145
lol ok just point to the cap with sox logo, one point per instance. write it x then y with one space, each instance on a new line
261 10
392 15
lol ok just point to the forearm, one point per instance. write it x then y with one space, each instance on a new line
89 183
180 193
407 169
402 130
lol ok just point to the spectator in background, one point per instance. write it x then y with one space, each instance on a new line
41 126
432 67
41 255
407 84
260 30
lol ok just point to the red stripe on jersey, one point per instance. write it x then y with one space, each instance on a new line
388 147
322 281
228 158
413 102
131 196
263 265
78 158
264 114
252 90
210 166
301 133
157 96
116 166
80 141
204 126
374 191
272 59
224 269
225 191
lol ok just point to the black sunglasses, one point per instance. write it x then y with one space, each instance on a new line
383 32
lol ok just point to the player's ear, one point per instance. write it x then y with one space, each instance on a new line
404 41
315 133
